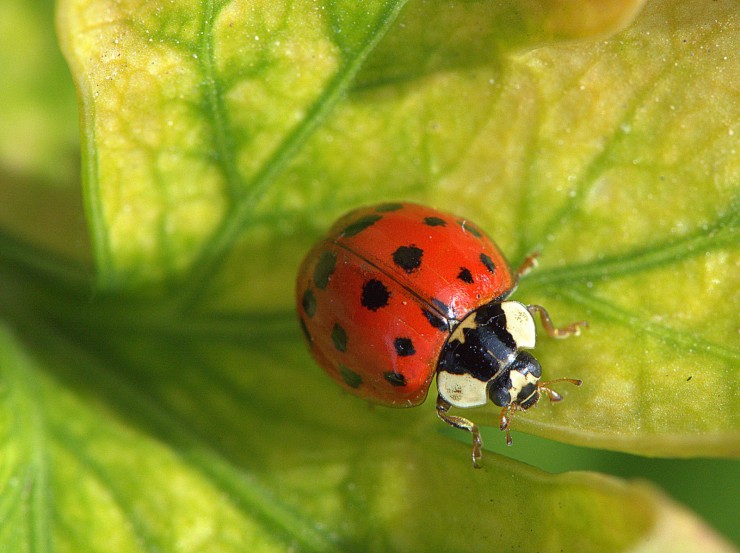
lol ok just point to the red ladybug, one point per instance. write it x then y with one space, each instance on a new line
396 293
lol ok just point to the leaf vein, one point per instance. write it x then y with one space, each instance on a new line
724 232
216 249
690 342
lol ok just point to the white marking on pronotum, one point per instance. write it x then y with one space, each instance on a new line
462 390
467 322
520 324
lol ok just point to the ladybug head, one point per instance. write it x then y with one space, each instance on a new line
523 389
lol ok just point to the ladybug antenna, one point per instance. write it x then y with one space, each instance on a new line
544 387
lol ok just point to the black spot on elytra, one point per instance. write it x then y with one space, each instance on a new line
385 208
467 226
374 295
324 269
305 331
309 303
408 258
339 337
404 347
488 262
361 224
350 377
435 222
465 275
395 379
434 320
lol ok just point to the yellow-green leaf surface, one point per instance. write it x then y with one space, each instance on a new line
222 137
192 112
170 405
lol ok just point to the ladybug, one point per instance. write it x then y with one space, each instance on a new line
395 294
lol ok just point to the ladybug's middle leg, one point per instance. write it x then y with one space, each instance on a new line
463 424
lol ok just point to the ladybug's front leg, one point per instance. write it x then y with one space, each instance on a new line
463 424
505 420
573 329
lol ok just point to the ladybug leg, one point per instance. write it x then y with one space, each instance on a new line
529 263
463 424
573 329
507 413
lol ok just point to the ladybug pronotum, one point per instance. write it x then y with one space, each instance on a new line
395 294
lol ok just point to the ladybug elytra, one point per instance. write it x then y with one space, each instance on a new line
395 294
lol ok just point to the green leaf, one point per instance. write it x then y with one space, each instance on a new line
606 176
221 138
223 98
131 457
25 514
